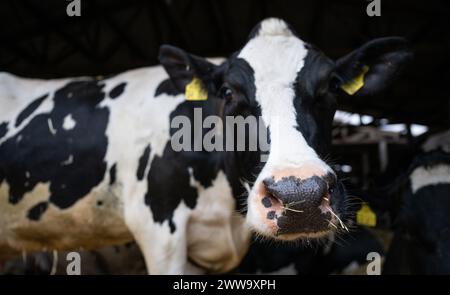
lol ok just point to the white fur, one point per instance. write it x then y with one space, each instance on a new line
276 56
217 235
69 122
422 177
274 26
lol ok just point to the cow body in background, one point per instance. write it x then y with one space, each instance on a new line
421 243
88 162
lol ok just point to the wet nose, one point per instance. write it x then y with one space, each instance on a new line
292 191
305 202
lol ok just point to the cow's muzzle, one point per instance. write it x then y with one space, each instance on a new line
292 207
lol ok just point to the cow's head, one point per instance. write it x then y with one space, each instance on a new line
293 86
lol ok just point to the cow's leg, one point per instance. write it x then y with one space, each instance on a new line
165 252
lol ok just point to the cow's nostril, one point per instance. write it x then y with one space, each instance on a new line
274 201
270 199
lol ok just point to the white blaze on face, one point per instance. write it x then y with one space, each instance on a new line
276 56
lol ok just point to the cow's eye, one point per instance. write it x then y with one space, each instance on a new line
226 93
334 83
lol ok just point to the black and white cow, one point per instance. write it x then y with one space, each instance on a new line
421 244
88 162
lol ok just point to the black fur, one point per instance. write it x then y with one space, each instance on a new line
421 243
307 260
315 102
37 210
143 161
30 109
166 87
3 129
118 90
35 154
112 174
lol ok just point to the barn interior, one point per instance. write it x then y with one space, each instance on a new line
373 139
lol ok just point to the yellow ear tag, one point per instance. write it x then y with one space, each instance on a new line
195 90
352 86
365 216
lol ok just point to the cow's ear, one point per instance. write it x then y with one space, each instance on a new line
183 67
372 67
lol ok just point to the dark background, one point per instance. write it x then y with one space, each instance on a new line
38 39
